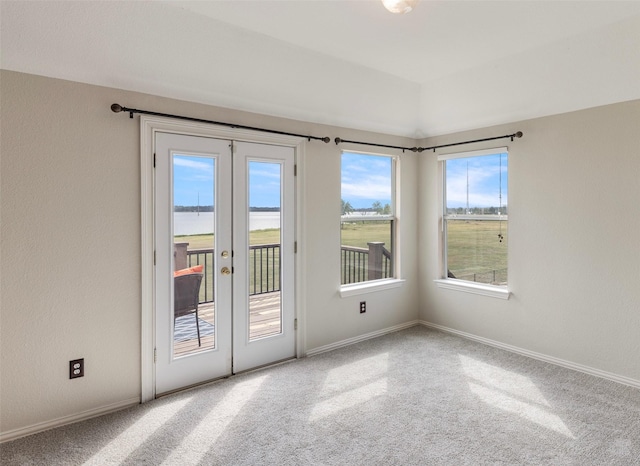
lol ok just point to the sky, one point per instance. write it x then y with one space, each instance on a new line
264 184
194 178
365 179
484 181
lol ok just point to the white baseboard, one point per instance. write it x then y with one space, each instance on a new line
366 336
42 426
539 356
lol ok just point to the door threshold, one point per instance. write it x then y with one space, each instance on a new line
191 387
267 365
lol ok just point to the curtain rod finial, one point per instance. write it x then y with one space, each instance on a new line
518 134
326 139
338 141
116 108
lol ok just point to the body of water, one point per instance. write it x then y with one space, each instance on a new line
190 223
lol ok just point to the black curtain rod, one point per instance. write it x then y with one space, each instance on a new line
116 108
412 149
422 149
517 134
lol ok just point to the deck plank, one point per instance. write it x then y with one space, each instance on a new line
264 320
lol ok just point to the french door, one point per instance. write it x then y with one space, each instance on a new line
224 245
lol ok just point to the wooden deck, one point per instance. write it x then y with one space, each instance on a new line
264 320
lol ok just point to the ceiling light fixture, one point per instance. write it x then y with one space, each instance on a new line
399 6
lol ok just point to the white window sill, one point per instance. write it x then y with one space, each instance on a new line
370 287
493 291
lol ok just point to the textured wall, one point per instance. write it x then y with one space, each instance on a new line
70 244
574 253
70 248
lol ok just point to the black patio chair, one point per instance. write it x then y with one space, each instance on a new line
186 292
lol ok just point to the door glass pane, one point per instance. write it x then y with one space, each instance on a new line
193 251
265 200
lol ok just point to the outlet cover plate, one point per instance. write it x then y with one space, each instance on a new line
76 368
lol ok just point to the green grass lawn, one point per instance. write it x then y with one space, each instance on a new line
358 234
262 277
269 236
195 241
474 247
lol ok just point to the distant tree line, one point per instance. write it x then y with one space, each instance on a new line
477 210
264 209
193 208
376 207
210 208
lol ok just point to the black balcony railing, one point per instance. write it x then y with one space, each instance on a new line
364 264
357 265
204 257
264 268
354 264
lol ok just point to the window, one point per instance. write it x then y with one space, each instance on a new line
368 221
475 216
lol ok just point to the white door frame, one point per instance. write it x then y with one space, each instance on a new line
149 125
250 353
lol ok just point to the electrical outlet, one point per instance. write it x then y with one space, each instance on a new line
76 368
363 307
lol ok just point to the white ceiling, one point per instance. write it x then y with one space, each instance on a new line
446 66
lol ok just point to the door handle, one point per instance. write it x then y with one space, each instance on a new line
225 271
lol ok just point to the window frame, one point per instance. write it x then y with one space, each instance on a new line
483 289
394 281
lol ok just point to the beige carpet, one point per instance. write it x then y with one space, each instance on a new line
415 397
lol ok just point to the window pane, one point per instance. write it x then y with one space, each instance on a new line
265 200
476 218
366 251
367 218
194 258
